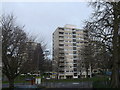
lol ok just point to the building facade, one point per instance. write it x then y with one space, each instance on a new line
34 56
67 42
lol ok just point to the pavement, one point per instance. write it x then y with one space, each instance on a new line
53 85
68 85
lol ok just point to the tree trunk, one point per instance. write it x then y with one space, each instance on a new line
90 70
11 83
115 69
57 72
86 72
115 78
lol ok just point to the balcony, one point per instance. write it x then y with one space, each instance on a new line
61 42
75 65
61 69
61 65
60 28
61 57
61 34
75 59
61 60
68 73
61 73
61 48
61 51
61 38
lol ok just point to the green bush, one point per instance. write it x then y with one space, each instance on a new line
101 84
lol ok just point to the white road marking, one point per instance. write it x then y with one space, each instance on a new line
75 83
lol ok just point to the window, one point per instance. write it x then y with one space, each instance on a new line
74 36
75 65
60 36
61 32
74 40
74 52
75 74
79 34
75 69
82 66
74 44
82 42
62 62
74 32
74 48
74 56
67 53
61 57
66 49
61 49
61 71
73 29
61 66
61 44
70 66
67 62
85 42
75 61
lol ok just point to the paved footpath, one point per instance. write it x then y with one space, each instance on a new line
69 85
20 85
55 85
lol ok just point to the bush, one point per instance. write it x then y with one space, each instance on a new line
101 84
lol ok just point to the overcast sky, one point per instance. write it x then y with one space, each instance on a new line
42 18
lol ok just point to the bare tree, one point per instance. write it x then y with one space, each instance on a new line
39 59
104 27
13 48
47 62
86 59
35 54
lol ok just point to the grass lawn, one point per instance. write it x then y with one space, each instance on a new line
5 82
20 79
98 82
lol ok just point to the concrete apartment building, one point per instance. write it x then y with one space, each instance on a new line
67 42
